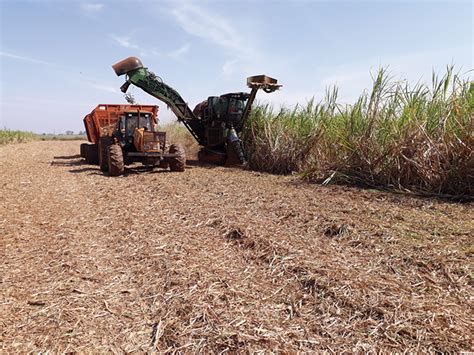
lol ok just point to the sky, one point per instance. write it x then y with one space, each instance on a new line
56 56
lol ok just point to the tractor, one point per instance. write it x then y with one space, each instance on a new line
124 134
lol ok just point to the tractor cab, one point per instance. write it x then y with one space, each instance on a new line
137 132
131 121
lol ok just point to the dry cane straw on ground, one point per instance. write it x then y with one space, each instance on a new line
217 259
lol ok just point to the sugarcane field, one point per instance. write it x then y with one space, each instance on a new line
236 177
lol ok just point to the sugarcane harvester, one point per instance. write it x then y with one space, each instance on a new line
215 123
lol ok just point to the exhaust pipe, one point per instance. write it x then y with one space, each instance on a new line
127 65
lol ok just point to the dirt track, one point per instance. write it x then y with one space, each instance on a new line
216 259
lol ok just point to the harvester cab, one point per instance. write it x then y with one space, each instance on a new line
215 123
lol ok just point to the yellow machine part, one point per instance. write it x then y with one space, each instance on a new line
138 139
145 141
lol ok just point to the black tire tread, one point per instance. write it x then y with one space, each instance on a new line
104 143
177 163
115 160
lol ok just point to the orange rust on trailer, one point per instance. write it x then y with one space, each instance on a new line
101 121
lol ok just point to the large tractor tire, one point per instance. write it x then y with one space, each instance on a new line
83 150
91 154
115 160
104 143
178 162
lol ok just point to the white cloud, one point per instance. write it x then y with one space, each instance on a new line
91 8
180 52
207 25
353 78
287 98
346 77
229 66
215 28
106 88
124 41
72 71
26 59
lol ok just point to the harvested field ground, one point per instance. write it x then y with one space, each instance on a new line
217 259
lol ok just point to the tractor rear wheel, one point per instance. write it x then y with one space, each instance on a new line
178 162
104 143
115 160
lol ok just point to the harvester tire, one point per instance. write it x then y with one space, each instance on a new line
91 154
83 150
104 143
178 162
115 160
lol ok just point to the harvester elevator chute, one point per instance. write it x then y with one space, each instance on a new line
215 123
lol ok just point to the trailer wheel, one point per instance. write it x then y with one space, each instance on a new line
115 160
104 143
91 155
177 163
83 150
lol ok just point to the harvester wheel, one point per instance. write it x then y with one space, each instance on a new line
83 150
91 154
115 160
104 143
178 162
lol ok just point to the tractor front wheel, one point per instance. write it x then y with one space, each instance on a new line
115 160
178 162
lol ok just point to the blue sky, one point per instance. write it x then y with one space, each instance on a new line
56 56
